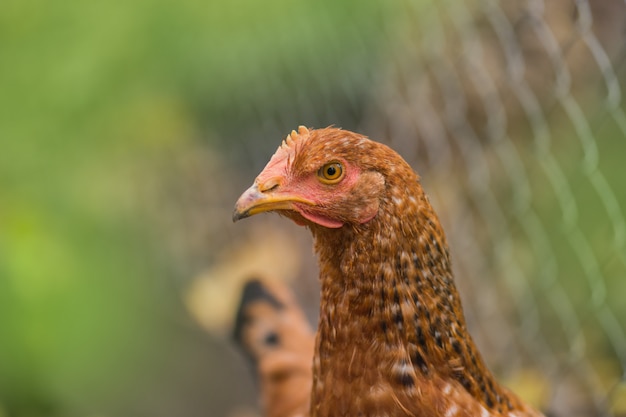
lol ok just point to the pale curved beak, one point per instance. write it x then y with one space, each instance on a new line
254 201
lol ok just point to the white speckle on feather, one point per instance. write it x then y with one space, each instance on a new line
452 410
404 256
377 391
402 368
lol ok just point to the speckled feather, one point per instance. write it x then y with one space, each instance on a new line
392 338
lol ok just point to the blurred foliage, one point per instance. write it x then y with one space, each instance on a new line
82 282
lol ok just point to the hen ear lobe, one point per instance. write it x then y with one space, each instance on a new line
369 191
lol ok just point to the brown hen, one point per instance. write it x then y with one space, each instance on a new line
392 339
275 335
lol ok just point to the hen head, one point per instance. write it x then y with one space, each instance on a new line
326 177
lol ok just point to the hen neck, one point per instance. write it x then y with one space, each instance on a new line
389 303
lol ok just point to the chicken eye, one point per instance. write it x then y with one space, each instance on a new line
331 173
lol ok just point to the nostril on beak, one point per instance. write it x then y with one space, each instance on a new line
269 185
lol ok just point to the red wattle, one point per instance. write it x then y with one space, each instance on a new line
322 220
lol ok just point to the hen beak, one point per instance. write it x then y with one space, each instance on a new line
254 201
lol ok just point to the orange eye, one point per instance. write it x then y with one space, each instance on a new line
331 173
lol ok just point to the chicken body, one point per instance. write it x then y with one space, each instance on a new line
392 339
275 335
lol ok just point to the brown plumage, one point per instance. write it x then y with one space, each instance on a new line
392 339
273 332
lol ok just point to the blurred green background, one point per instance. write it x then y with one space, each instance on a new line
99 103
128 129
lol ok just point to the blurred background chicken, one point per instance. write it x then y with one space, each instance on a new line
274 333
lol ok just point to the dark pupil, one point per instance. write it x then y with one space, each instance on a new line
272 339
331 170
